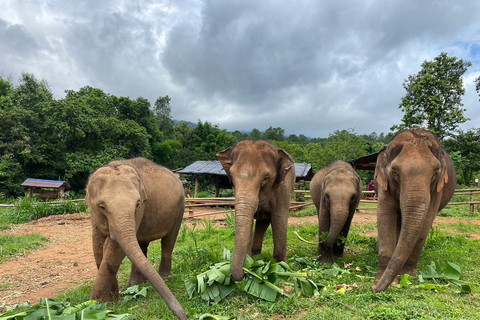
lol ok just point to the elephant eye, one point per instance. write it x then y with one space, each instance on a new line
353 198
265 179
102 207
138 204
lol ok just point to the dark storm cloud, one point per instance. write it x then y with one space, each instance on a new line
16 42
310 67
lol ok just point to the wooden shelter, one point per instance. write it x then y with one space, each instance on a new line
47 189
214 169
367 162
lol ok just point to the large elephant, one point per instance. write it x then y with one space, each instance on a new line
335 191
414 180
263 178
133 202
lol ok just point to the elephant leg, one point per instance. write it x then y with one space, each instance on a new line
324 254
261 227
279 234
105 287
136 277
388 222
168 242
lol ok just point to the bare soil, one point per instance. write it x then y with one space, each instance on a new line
67 261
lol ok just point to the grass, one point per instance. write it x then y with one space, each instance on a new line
199 248
11 246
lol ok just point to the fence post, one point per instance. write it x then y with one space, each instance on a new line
472 206
478 197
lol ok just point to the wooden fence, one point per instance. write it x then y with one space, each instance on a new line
302 200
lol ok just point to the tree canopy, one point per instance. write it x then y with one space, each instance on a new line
433 98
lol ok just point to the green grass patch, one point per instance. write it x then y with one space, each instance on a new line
26 210
11 246
344 288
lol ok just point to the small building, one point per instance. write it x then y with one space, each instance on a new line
47 189
367 162
303 171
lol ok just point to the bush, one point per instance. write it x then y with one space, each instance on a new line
26 210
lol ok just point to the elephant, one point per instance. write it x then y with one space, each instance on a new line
414 179
336 192
133 202
263 178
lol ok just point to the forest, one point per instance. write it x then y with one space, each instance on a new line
67 139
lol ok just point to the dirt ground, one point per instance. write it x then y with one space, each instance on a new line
67 261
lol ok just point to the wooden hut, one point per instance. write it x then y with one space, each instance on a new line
47 189
303 171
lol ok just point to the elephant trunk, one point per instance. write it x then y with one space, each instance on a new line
338 219
127 240
245 208
414 209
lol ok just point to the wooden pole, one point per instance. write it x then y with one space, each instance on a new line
472 206
478 197
217 187
196 186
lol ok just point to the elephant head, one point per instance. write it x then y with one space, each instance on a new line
341 190
258 172
415 179
117 199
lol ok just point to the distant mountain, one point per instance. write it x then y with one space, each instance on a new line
190 124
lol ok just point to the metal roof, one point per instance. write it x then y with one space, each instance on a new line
365 163
303 171
41 183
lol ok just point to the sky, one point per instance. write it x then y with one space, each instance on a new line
309 67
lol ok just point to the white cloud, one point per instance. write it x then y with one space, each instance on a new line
309 67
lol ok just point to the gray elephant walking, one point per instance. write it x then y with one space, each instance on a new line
414 178
132 203
336 192
263 178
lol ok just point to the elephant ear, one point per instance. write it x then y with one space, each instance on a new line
443 174
284 165
225 158
380 169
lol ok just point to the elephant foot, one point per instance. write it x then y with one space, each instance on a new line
104 293
325 259
165 275
136 279
256 252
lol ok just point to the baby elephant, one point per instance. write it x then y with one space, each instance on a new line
335 191
132 203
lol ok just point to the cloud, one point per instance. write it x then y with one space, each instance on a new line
309 67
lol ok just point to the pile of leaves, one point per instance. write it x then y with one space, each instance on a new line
268 280
49 309
261 280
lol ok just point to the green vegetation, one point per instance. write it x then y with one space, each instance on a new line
434 96
448 266
11 246
26 210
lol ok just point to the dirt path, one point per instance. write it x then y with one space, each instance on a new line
67 261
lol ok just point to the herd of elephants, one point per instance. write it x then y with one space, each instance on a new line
133 202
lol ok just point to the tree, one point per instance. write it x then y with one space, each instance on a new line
163 112
477 85
465 151
277 134
433 98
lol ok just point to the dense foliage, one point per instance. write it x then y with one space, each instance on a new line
69 138
434 95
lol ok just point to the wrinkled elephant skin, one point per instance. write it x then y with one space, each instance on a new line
263 178
414 180
335 191
133 202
